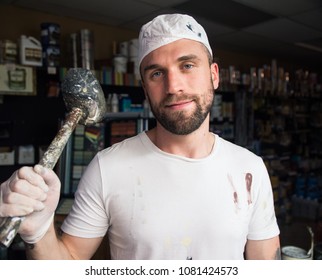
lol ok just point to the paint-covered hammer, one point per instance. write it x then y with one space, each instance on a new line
85 102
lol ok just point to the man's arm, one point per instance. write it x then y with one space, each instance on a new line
34 192
268 249
62 246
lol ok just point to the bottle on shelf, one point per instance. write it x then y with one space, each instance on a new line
115 103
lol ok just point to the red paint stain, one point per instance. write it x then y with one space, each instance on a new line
249 180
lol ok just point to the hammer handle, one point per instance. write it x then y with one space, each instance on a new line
9 226
57 146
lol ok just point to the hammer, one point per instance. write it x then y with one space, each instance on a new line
85 102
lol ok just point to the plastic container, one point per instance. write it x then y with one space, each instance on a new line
120 64
8 52
30 51
134 48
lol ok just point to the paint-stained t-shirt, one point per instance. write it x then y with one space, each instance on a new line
157 205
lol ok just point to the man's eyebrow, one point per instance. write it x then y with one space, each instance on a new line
188 57
180 59
151 67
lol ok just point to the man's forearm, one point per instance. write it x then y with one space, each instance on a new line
50 247
268 249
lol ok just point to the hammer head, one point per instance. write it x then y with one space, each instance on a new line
82 90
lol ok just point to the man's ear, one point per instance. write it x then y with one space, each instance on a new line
214 69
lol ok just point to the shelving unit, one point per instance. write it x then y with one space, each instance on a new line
35 120
285 130
222 116
28 120
288 144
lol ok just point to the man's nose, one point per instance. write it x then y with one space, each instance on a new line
174 82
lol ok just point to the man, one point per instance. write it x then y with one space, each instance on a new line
177 191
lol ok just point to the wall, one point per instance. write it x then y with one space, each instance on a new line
17 21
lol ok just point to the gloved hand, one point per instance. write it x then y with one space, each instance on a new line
32 192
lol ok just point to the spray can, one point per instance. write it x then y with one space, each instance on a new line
30 51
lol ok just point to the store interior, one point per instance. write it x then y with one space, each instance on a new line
269 99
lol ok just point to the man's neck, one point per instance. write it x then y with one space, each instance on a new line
198 144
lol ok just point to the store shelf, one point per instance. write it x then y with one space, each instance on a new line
288 145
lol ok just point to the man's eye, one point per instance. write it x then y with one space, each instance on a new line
156 74
187 66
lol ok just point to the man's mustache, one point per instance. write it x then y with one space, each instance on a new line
171 99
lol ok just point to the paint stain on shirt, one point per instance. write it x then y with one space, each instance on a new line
186 242
235 194
249 181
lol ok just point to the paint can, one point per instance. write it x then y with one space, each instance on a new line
120 63
134 47
295 253
124 49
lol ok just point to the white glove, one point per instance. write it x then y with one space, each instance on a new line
34 193
38 232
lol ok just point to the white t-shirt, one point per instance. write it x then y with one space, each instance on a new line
157 205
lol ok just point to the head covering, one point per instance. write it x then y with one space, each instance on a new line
165 29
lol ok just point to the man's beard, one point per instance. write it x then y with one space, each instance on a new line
179 122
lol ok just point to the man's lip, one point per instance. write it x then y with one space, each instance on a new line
178 103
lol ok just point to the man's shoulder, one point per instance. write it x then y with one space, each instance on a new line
236 151
127 146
